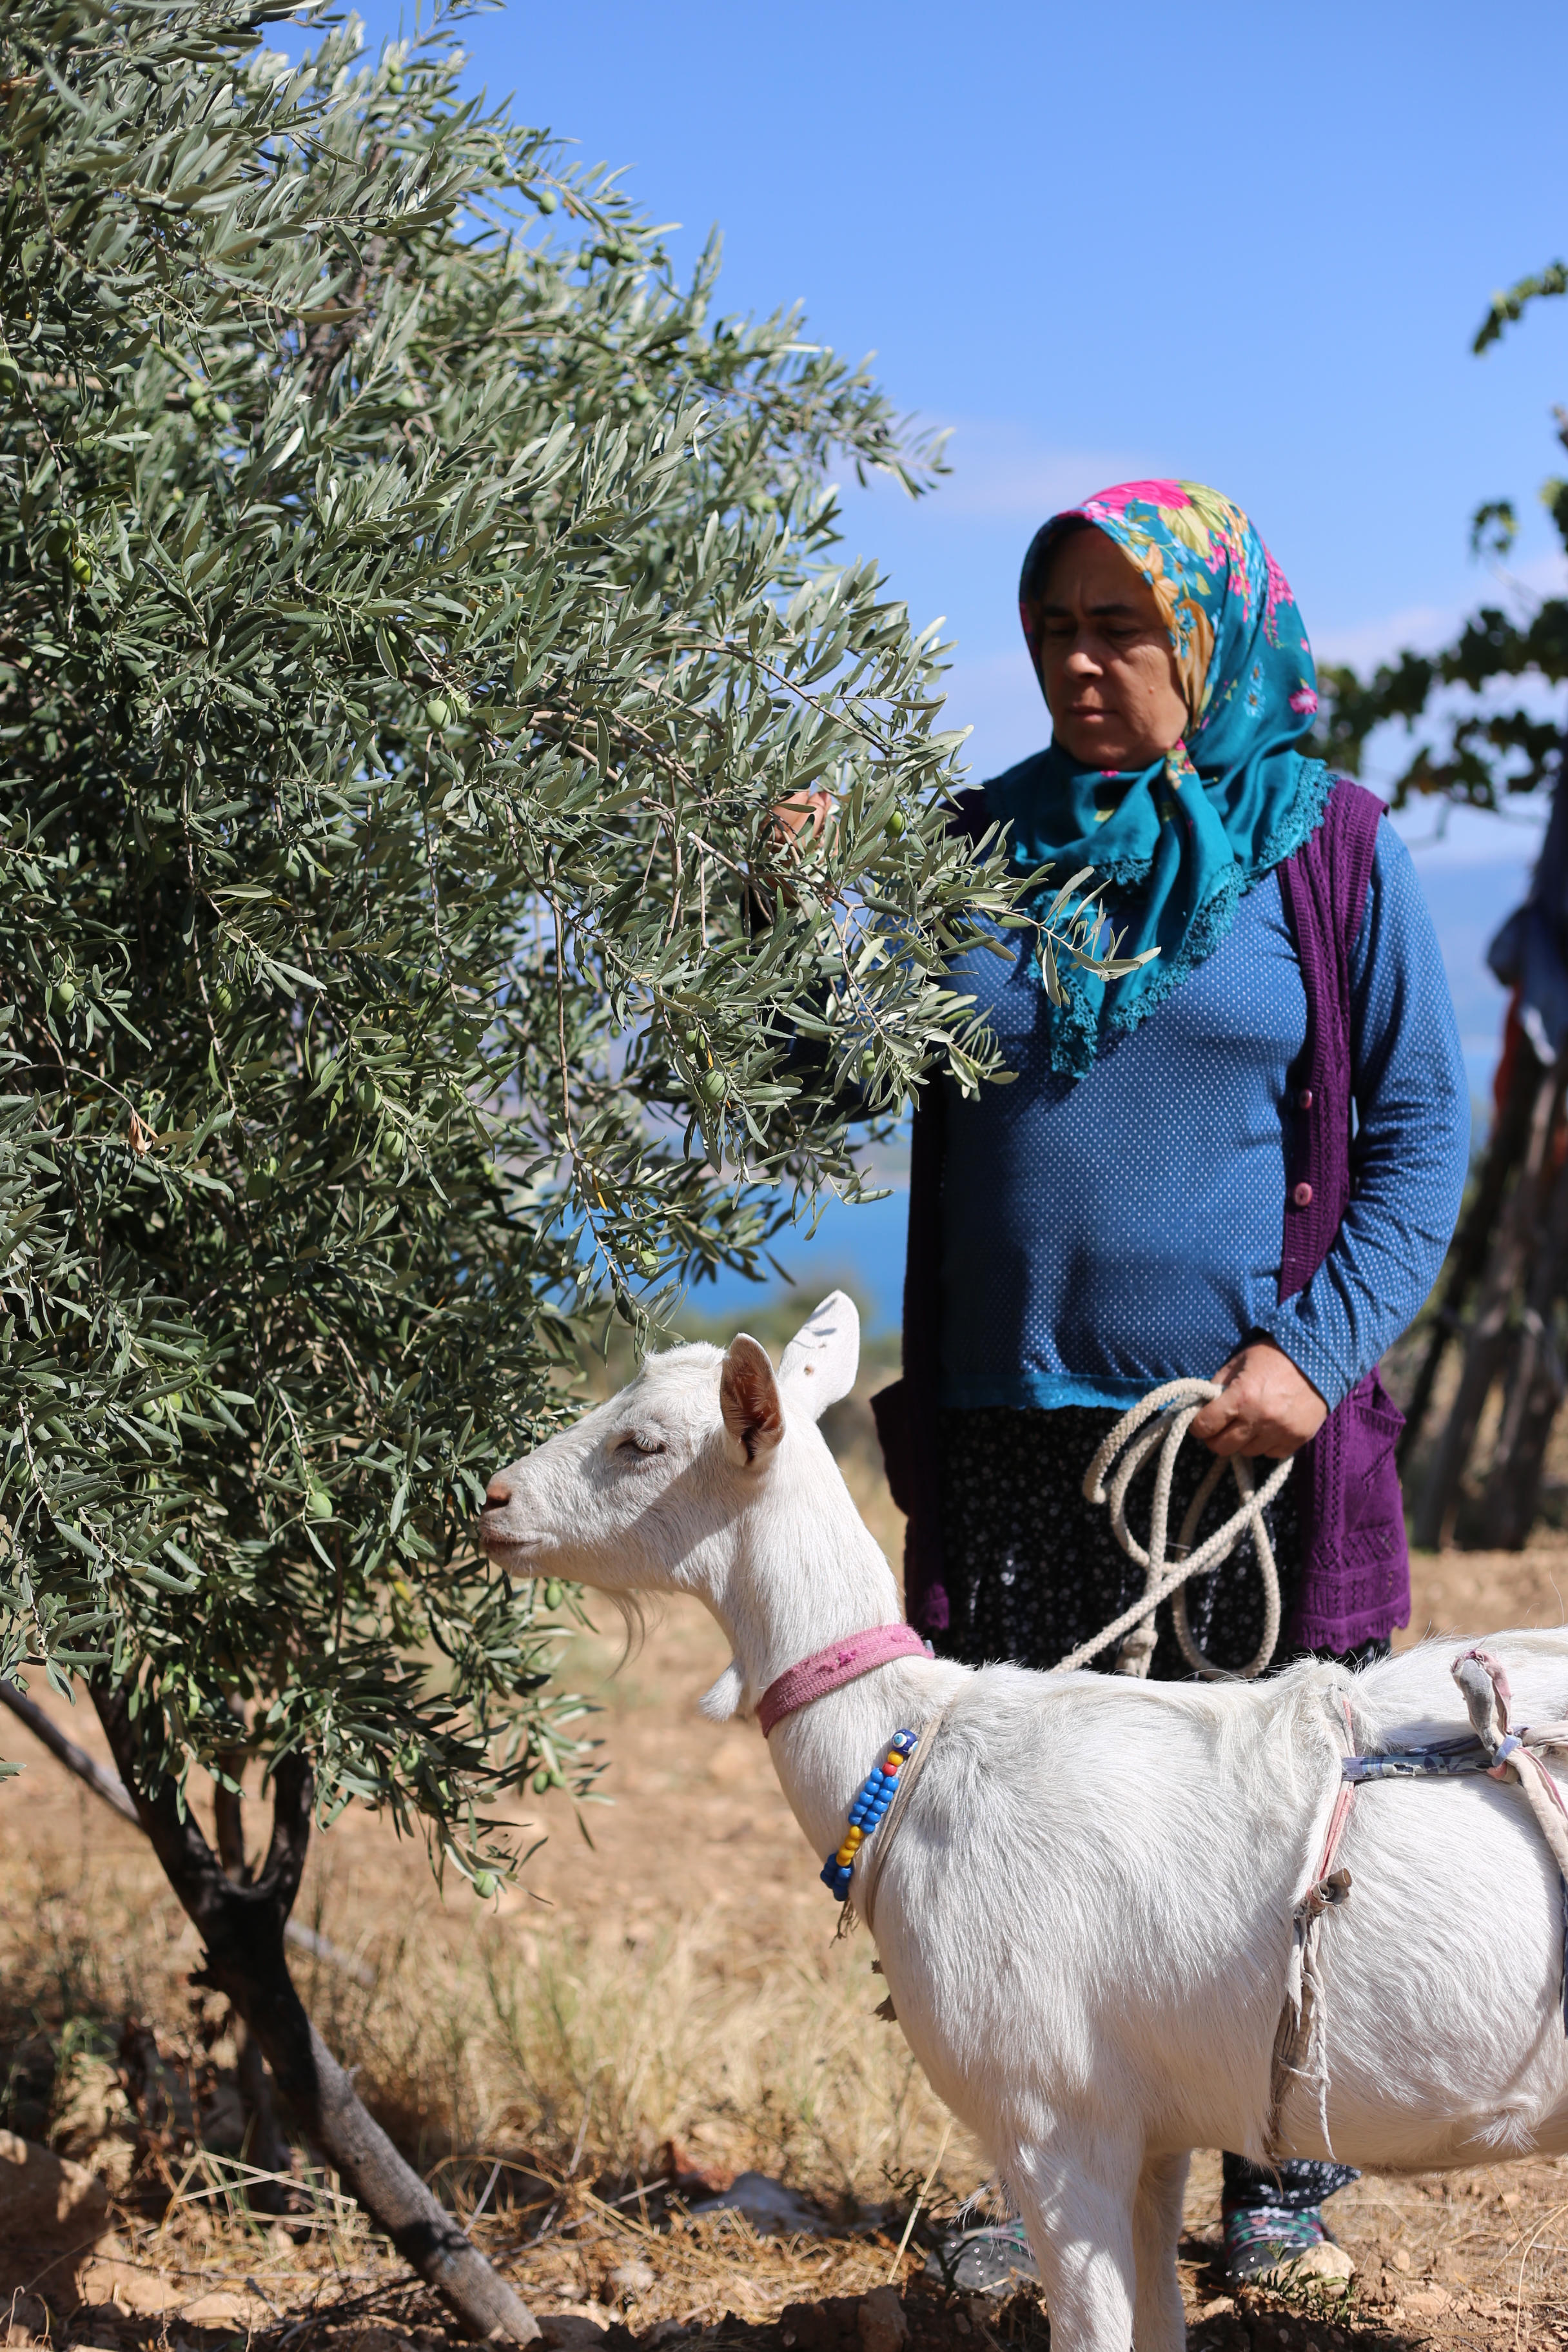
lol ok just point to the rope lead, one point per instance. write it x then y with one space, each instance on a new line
1158 1425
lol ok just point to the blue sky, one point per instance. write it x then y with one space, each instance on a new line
1242 244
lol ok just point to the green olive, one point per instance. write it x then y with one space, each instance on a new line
438 711
81 571
896 824
58 542
713 1086
867 1064
367 1094
555 1593
484 1885
547 200
10 377
318 1503
64 991
649 1260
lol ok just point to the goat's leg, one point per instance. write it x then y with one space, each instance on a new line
1077 2201
1159 2322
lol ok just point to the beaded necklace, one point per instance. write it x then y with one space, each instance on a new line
865 1813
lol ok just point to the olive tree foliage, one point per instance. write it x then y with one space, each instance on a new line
413 603
1486 751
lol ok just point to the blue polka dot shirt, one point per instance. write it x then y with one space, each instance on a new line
1105 1233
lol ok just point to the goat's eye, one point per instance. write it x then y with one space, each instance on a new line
638 1446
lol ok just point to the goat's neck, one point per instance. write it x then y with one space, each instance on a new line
806 1573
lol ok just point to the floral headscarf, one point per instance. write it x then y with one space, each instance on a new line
1180 841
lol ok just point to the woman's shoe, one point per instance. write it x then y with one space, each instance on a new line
1264 2247
984 2262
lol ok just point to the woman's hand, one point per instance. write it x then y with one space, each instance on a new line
791 817
1268 1406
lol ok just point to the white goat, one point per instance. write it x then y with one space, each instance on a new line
1084 1916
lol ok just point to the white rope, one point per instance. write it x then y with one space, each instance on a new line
1169 1412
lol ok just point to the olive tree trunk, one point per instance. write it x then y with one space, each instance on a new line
241 1927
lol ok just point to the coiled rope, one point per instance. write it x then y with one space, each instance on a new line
1158 1425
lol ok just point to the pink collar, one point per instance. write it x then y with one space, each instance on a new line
830 1669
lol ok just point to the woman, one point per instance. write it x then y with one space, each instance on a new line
1171 1186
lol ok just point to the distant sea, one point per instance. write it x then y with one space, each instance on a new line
1473 879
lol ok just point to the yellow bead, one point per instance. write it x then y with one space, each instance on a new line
892 1764
853 1837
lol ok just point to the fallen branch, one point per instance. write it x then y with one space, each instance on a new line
242 1926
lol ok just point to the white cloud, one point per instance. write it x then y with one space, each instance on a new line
1001 471
1421 628
1424 628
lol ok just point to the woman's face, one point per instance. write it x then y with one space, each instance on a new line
1106 663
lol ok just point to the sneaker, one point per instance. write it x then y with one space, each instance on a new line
983 2262
1264 2247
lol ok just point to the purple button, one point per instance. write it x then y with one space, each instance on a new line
1305 1098
1302 1196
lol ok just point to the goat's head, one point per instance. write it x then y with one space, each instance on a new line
648 1493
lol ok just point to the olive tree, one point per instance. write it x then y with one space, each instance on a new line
415 603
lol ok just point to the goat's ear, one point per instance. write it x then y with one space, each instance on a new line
822 1360
749 1400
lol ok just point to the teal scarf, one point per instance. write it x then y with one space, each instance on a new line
1179 842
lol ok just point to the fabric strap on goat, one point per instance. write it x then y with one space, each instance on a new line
1510 1754
1302 2037
1158 1425
828 1670
1301 2043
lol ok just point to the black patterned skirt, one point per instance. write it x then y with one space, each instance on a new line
1033 1569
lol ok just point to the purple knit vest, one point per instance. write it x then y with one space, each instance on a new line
1355 1571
